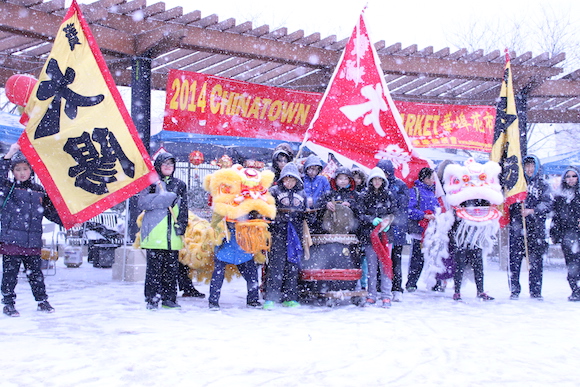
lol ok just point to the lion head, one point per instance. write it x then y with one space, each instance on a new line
237 191
473 190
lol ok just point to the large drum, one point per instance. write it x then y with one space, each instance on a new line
333 268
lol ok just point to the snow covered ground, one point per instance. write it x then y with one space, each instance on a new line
102 335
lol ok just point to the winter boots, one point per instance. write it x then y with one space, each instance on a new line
193 293
485 297
291 304
10 310
397 296
44 306
168 304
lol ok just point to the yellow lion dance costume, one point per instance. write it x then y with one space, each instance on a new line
239 196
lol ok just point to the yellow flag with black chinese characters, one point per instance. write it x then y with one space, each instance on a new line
506 145
79 137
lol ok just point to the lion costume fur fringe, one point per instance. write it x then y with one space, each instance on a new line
229 203
236 192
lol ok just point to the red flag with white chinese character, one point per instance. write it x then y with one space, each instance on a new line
356 119
79 137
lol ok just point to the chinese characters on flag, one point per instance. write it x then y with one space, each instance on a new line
357 119
79 136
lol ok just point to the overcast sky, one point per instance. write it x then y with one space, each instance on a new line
424 22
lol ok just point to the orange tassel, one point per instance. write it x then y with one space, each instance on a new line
253 236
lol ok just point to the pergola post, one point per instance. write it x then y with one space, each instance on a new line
522 109
141 114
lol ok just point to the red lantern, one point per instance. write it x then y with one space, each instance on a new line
225 161
196 157
19 87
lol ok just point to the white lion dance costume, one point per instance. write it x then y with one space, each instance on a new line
473 194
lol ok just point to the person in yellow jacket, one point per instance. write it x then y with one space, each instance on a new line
164 223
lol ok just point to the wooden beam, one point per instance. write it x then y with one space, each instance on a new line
168 35
26 3
557 88
45 27
257 48
154 9
552 116
170 14
12 43
131 6
50 6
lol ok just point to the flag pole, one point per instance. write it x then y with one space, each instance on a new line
525 237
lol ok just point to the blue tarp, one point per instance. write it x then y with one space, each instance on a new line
213 147
557 164
10 128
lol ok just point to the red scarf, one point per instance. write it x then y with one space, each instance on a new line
380 243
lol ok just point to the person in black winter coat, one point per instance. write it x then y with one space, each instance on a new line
360 179
286 229
398 231
376 204
342 193
24 204
565 227
537 206
282 155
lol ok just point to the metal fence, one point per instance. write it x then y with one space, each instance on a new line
193 176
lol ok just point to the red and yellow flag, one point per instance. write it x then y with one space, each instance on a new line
506 145
79 137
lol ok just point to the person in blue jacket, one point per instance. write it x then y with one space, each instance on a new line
422 205
24 204
315 185
230 252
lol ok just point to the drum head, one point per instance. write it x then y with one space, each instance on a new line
341 221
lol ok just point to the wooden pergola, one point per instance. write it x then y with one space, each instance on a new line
139 39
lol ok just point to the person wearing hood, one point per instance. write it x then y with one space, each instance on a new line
565 228
286 230
164 223
398 231
376 204
529 222
360 179
24 204
315 185
342 193
422 205
282 155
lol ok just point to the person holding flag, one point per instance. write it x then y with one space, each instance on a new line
163 225
531 239
24 204
507 152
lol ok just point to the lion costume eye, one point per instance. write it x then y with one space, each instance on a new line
465 179
455 181
225 189
483 177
